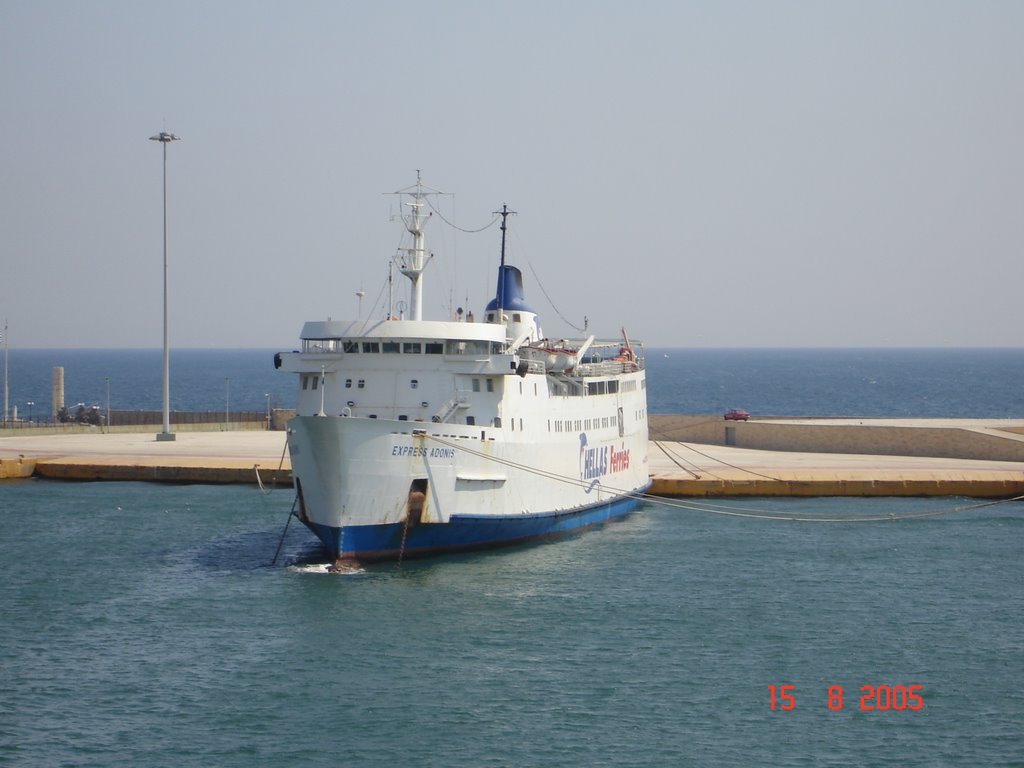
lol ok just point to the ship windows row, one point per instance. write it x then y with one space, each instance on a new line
610 387
393 347
583 425
374 347
449 347
602 387
312 381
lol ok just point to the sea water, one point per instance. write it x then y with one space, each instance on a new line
147 625
944 383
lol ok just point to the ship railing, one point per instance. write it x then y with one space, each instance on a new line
604 359
609 367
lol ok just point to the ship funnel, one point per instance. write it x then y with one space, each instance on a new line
509 295
510 308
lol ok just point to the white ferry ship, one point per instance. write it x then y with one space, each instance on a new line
414 437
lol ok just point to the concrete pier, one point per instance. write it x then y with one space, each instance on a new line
705 455
677 468
691 469
194 457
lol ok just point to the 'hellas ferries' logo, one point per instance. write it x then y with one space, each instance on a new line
599 461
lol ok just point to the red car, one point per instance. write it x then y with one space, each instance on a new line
737 414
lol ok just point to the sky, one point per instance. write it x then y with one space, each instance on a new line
704 174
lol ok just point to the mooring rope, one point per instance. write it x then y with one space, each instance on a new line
273 482
722 509
291 514
676 459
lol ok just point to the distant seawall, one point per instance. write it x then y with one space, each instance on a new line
984 439
143 421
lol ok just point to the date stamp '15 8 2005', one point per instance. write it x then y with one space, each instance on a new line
873 697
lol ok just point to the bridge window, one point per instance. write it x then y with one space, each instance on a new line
392 347
350 346
371 346
434 348
470 347
412 347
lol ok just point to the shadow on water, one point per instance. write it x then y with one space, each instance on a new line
254 550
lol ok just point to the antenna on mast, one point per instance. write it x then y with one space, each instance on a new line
504 213
391 302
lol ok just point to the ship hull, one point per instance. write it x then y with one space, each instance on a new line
393 541
374 489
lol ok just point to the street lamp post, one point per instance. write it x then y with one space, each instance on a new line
227 401
4 337
30 403
267 395
165 138
107 380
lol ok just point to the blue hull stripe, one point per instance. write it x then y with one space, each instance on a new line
463 532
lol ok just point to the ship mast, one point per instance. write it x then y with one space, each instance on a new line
504 213
416 260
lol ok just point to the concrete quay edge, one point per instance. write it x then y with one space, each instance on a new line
241 456
933 484
180 471
676 468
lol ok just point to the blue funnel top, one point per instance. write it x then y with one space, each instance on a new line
510 291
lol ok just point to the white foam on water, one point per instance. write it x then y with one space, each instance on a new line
325 568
